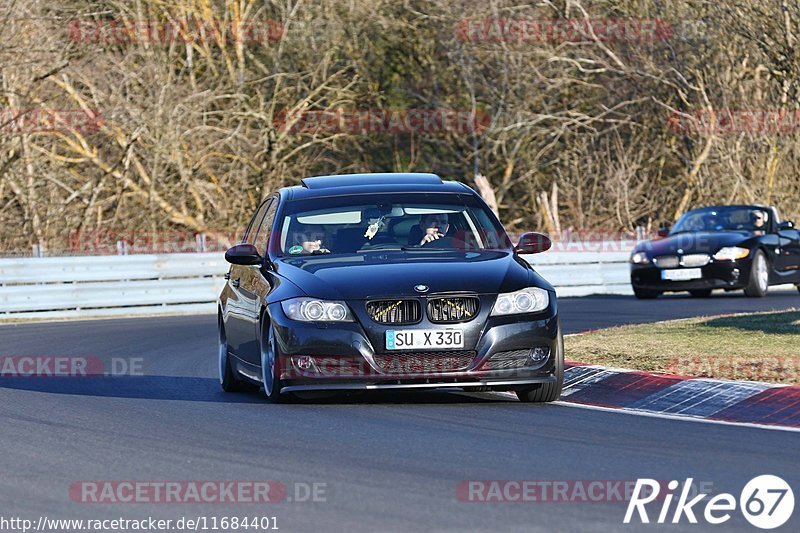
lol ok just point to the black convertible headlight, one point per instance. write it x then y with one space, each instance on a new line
528 300
313 310
731 253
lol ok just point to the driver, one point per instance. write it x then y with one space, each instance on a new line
759 222
308 240
711 222
434 226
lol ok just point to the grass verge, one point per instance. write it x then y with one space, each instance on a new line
755 347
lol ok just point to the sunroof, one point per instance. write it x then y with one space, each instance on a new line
348 180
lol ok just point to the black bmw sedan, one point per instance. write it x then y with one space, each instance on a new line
386 281
719 247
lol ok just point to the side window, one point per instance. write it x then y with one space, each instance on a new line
262 237
250 234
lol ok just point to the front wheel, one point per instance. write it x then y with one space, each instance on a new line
270 365
758 283
547 392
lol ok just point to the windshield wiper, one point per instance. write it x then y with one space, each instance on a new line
424 249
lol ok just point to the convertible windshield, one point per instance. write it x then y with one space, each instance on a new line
409 222
732 218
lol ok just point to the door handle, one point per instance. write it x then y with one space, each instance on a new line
235 282
227 275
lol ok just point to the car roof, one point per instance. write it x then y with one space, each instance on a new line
348 184
716 206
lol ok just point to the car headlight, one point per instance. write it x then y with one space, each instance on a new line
313 310
639 258
528 300
730 253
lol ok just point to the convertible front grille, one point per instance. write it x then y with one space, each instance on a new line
394 311
424 362
451 310
666 261
695 260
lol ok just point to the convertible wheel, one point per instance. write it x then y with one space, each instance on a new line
645 294
270 370
547 392
701 293
758 284
227 379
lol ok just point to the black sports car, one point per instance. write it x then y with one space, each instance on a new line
378 281
719 247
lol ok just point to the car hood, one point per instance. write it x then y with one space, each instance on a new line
695 242
363 276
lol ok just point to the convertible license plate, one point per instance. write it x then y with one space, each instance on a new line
682 274
414 339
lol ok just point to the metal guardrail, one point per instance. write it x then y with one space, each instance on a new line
61 287
57 287
581 273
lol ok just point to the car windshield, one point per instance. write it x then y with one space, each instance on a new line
725 218
408 222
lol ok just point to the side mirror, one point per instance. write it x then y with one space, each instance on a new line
786 224
663 232
243 254
533 243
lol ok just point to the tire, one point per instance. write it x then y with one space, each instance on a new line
270 365
547 392
700 293
645 294
758 283
227 378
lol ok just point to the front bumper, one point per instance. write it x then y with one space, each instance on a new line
349 356
729 275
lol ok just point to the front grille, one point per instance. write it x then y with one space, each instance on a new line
394 311
695 260
341 366
517 359
451 310
503 360
423 362
666 261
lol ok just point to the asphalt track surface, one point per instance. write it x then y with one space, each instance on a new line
390 462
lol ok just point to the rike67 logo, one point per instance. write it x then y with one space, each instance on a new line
766 502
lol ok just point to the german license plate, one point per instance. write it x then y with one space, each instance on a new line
682 274
415 339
